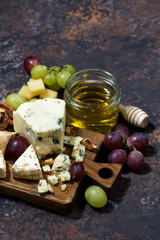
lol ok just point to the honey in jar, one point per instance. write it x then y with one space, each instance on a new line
92 97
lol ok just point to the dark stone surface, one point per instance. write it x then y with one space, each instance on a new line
123 38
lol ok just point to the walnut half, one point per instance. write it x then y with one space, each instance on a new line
6 115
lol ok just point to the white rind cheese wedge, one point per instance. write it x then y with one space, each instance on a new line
27 166
2 165
5 136
43 123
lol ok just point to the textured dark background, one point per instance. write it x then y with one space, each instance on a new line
122 37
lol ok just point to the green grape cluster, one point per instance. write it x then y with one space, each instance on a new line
54 77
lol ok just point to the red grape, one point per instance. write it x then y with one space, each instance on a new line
135 160
121 129
137 140
76 170
30 62
113 140
16 146
117 156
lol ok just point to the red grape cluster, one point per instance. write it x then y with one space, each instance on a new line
118 138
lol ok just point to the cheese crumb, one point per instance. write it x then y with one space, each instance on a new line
63 187
64 176
46 168
42 186
62 162
53 179
50 189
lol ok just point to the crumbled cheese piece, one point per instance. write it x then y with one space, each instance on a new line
2 165
50 189
71 140
42 186
64 176
78 152
52 179
63 187
61 162
49 161
46 168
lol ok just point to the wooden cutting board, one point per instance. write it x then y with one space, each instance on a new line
103 174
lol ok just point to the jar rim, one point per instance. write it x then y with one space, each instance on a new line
104 73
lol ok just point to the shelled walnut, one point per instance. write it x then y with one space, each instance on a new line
6 115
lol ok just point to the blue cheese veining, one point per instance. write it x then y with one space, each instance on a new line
43 123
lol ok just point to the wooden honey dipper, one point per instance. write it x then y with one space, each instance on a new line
134 115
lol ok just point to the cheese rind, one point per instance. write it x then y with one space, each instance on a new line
42 123
2 165
27 166
5 136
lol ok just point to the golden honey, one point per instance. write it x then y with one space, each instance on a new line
92 97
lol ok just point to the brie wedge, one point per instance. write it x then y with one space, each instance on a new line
27 166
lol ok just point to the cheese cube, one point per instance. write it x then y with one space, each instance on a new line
62 162
34 99
49 94
36 87
2 165
25 92
42 122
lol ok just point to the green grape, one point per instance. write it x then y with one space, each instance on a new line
49 79
96 196
38 71
55 86
56 69
62 77
15 100
69 68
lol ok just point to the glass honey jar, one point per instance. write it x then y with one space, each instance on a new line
92 97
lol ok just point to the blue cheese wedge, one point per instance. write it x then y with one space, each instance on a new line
2 165
64 176
43 123
27 166
78 152
62 162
